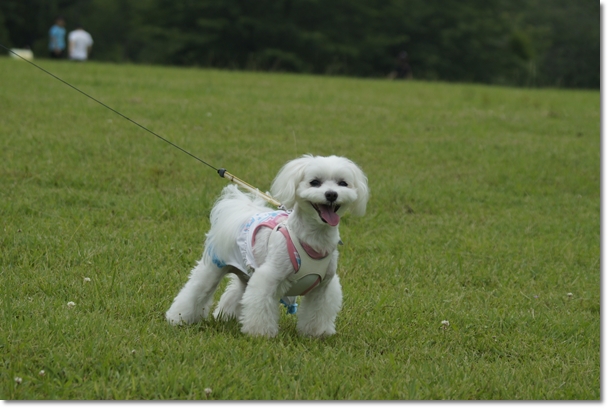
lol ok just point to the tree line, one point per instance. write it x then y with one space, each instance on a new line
511 42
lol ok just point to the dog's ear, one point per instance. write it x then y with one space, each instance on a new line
360 205
284 186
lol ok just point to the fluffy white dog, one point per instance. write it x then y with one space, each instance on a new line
272 254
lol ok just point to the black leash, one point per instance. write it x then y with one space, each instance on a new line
222 172
107 107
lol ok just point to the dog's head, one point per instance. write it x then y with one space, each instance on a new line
328 186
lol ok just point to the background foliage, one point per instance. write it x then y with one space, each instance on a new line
514 42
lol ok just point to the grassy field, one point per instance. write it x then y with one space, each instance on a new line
485 212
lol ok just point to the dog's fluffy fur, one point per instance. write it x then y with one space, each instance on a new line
313 188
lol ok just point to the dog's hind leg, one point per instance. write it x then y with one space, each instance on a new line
193 302
229 306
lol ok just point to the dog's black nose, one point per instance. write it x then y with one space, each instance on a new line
331 196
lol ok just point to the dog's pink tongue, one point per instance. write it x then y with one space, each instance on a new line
329 215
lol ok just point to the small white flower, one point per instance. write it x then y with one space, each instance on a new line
71 304
18 380
208 392
445 323
41 373
87 279
569 295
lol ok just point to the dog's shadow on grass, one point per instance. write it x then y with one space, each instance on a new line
214 326
232 328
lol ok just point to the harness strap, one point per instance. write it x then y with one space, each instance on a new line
294 256
309 271
271 223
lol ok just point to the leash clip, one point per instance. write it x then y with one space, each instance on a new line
225 174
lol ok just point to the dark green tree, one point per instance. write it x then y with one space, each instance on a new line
513 42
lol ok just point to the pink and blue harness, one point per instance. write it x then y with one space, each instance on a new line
310 266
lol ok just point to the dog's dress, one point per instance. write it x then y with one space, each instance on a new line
310 266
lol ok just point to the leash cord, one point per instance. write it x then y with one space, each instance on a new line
113 110
222 172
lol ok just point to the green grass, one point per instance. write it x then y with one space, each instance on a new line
485 212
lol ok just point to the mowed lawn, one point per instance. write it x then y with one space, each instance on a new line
485 213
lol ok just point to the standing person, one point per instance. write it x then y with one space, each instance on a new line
80 44
57 38
404 71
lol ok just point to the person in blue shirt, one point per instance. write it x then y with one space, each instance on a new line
57 38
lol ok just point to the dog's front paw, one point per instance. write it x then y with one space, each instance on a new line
259 324
311 330
258 331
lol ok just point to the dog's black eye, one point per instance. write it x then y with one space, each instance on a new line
343 183
315 183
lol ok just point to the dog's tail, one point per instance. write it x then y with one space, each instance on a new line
229 213
235 202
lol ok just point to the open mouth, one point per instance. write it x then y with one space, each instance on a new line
328 213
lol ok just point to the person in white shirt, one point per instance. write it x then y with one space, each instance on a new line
80 43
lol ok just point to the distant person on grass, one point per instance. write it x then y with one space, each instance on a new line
402 67
404 71
81 43
57 39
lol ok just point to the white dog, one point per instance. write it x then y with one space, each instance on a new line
272 254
